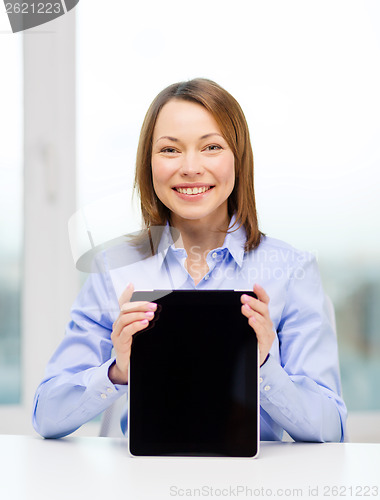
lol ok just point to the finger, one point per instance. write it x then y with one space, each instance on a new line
261 293
128 331
247 310
255 304
129 307
257 320
254 316
126 295
252 322
122 336
124 320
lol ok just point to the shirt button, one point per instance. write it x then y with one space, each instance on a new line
207 277
109 390
103 396
260 379
267 388
214 255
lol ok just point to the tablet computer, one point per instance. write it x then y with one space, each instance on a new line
193 377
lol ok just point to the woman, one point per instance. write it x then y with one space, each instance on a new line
194 174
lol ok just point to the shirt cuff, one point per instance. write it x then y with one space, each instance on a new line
272 378
101 387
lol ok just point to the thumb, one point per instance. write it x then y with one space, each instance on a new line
261 293
126 295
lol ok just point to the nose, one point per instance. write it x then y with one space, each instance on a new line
191 165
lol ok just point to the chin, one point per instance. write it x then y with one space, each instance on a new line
187 216
194 214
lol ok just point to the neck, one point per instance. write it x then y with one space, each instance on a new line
199 237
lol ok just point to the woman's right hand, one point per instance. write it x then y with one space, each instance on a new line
133 317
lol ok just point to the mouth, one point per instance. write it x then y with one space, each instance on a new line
193 191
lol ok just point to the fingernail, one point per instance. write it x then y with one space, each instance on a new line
244 298
144 322
152 306
149 314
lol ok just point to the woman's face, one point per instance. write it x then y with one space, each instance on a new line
192 164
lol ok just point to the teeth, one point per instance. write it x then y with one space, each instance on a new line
193 190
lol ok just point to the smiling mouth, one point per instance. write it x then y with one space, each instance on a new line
196 190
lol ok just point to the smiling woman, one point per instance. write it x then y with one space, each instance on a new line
194 172
195 135
194 179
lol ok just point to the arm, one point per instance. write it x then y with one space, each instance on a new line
82 379
76 386
302 393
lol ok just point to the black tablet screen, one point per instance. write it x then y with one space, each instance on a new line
193 377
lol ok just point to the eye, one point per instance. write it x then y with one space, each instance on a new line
213 147
169 150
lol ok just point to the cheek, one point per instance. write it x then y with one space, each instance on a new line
160 172
227 172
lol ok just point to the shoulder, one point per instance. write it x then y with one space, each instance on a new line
115 254
278 251
106 261
299 267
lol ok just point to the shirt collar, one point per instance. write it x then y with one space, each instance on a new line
234 242
166 242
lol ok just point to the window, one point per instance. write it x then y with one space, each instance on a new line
310 94
37 197
11 219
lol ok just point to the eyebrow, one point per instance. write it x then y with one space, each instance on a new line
174 139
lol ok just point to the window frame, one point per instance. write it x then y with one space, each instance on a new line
49 279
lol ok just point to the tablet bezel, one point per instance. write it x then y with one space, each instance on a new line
152 296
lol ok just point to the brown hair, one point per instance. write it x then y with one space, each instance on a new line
231 120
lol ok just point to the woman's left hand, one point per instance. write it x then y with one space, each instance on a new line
257 312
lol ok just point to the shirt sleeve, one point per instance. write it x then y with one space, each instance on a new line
302 391
76 386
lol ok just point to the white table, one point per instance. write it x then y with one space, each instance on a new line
100 468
